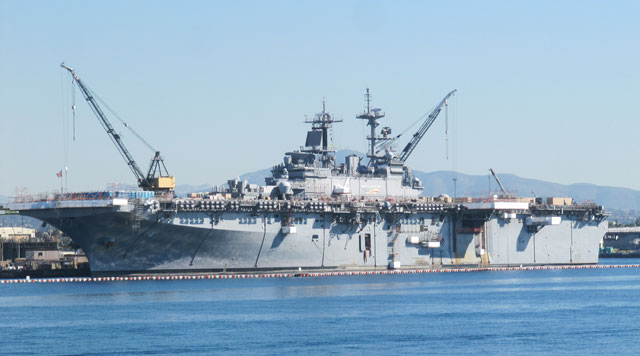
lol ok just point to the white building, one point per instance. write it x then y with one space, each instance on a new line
16 233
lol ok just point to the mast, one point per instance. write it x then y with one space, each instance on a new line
318 137
372 116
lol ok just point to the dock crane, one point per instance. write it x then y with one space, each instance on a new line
386 142
157 177
505 193
411 145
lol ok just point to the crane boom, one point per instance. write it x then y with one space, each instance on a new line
504 191
408 149
147 182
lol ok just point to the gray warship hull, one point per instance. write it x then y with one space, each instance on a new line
128 237
314 213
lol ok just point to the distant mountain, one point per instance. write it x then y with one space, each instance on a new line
436 183
184 189
624 203
256 177
441 182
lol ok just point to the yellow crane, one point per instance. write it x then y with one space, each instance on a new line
157 177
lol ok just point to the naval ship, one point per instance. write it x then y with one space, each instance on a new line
316 213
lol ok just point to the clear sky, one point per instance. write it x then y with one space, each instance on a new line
547 89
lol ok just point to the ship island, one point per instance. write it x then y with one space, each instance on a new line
314 213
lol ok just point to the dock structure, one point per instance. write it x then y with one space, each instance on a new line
621 242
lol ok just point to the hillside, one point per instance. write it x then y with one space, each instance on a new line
624 203
441 182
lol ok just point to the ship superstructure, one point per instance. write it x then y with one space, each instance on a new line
312 171
316 213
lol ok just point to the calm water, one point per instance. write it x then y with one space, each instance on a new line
577 312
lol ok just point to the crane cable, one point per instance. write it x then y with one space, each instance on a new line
385 145
65 142
446 129
73 106
455 133
93 93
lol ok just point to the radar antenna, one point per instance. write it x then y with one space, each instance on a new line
318 138
372 116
